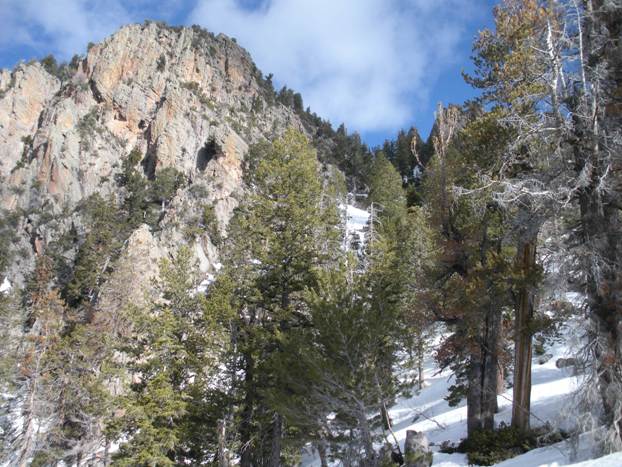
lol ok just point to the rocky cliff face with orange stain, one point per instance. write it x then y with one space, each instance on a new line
182 97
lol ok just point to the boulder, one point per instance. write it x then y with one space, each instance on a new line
417 450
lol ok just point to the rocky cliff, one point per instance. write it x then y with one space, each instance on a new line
182 97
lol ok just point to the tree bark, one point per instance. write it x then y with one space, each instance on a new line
420 356
482 376
368 443
223 458
521 403
597 149
246 454
277 435
474 395
321 449
500 379
490 368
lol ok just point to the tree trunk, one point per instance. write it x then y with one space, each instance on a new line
521 403
107 453
223 457
500 379
599 150
490 367
246 454
368 443
474 395
277 435
482 376
420 356
321 450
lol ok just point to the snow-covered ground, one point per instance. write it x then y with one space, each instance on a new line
552 401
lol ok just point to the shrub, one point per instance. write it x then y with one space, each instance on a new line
62 71
166 183
128 168
161 63
210 222
190 86
488 447
87 126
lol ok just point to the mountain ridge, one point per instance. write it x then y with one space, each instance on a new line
182 97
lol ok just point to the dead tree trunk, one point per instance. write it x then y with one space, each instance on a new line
597 144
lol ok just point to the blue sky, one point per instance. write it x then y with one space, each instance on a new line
376 65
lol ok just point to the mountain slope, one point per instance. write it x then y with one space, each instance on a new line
182 97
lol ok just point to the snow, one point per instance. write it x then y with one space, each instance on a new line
5 287
559 454
612 460
356 218
552 401
356 223
203 261
202 287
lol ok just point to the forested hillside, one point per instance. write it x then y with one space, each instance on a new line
197 270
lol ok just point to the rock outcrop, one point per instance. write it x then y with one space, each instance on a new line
417 450
182 97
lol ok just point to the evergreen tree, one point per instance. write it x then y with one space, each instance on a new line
595 143
279 238
474 265
415 246
101 245
174 349
385 189
44 320
346 374
517 79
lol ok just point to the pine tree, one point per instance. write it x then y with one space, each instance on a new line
385 188
101 246
518 67
279 238
596 145
44 320
471 288
12 319
174 350
348 373
415 246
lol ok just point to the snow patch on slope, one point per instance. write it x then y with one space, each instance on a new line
6 286
552 401
356 225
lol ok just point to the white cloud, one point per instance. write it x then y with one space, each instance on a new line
63 27
359 61
363 62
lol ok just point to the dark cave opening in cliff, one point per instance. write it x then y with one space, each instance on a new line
208 152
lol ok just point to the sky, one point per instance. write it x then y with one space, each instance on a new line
376 65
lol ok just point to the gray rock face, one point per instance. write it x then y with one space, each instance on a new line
24 95
183 97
